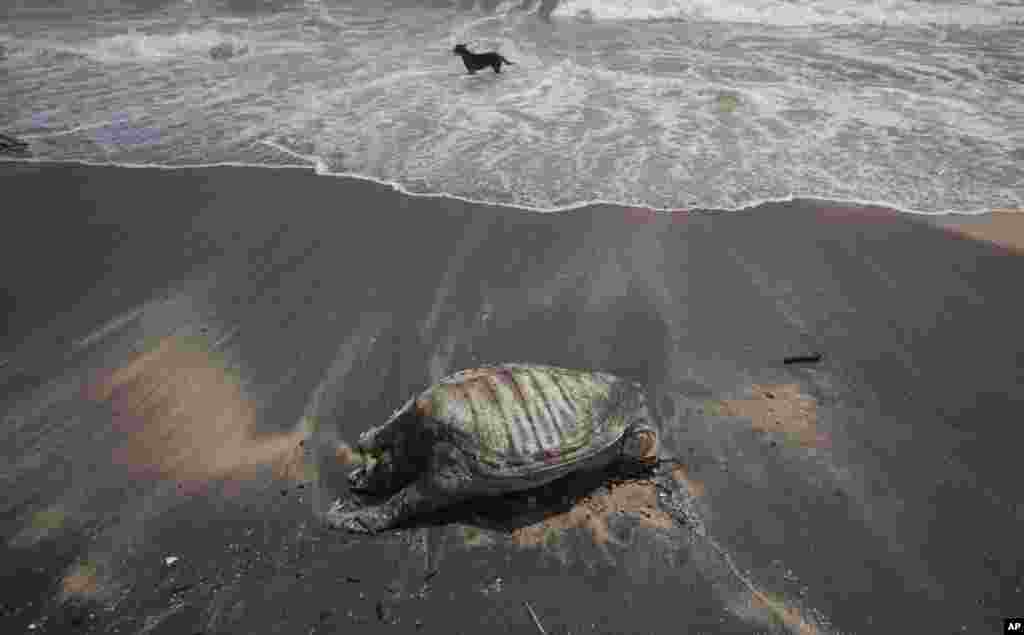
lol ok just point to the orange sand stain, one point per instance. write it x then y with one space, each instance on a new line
79 584
592 513
80 581
345 455
1004 227
183 416
782 408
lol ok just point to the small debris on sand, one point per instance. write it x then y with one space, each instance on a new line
536 620
383 614
813 358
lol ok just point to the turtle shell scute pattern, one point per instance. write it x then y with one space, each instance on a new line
517 418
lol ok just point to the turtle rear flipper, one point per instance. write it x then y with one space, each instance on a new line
640 444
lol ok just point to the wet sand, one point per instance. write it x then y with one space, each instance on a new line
186 353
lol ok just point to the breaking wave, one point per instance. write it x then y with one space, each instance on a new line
771 12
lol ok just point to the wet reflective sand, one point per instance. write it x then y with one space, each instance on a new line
189 353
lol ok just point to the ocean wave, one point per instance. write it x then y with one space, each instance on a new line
141 47
789 12
132 46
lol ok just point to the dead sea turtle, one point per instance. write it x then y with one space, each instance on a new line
493 430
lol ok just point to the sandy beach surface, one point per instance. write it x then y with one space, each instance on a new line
186 352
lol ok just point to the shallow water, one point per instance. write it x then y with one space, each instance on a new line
917 106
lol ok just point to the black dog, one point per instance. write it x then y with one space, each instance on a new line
476 61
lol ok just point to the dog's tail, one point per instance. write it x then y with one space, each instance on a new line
505 60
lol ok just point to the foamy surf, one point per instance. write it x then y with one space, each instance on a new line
785 13
667 105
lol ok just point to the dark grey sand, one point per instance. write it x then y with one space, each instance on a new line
877 491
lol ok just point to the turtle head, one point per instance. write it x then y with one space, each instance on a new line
384 461
375 474
390 455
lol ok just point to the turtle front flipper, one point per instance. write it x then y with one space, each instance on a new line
342 515
418 498
445 483
367 520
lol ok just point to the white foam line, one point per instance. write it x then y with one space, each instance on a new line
321 169
47 135
318 164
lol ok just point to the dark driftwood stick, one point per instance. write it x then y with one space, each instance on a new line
536 622
799 359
